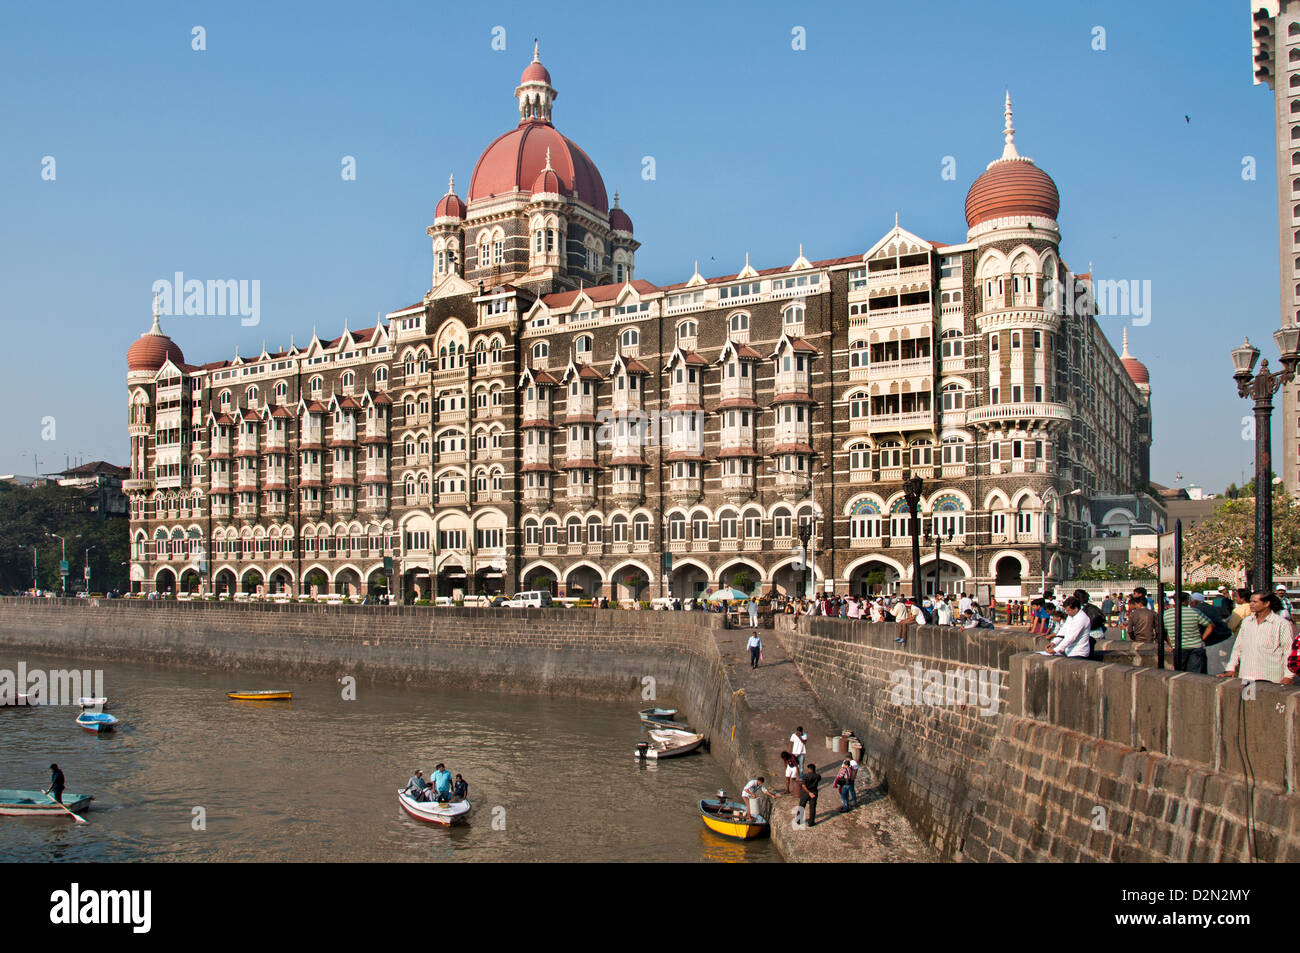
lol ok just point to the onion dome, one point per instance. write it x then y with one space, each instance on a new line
1137 371
618 219
450 205
547 181
153 348
1011 186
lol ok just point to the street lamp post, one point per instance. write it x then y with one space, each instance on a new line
63 562
86 574
805 532
1260 388
937 536
912 487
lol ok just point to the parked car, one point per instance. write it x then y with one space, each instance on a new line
534 599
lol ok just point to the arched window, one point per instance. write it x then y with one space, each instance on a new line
348 379
954 398
541 350
381 375
793 314
595 529
317 386
781 523
677 527
727 524
582 347
641 529
630 337
739 322
619 526
687 329
864 520
858 354
950 343
281 390
859 458
250 395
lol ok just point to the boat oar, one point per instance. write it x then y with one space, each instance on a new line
79 820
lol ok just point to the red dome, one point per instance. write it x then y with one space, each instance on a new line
514 161
1011 187
151 350
1136 370
548 183
535 72
619 221
450 206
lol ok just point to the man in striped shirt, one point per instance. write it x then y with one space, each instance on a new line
1195 630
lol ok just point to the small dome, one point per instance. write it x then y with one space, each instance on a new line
153 349
535 73
618 219
1136 370
548 182
450 205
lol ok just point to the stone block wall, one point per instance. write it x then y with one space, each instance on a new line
1082 760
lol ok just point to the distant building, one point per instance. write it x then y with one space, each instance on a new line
101 486
1275 43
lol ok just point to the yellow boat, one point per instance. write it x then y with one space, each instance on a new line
724 817
260 696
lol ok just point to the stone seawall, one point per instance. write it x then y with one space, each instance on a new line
1073 760
596 654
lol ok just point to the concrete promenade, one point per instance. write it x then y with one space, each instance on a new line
779 699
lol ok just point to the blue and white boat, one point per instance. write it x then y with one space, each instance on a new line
97 722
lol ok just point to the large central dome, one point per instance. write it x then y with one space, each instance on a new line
514 160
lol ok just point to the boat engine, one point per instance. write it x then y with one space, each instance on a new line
642 749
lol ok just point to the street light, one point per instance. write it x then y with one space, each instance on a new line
805 531
87 573
63 562
1260 388
936 536
912 487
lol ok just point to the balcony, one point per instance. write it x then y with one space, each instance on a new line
449 457
1018 413
452 499
913 367
909 275
915 420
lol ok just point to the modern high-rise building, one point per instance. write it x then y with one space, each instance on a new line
1275 43
542 417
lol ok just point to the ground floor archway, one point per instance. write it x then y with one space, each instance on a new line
191 581
223 584
252 582
347 582
874 577
688 581
165 581
583 582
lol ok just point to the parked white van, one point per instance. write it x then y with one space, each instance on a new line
535 599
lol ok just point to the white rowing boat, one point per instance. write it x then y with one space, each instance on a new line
668 743
445 813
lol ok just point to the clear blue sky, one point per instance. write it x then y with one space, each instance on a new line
226 164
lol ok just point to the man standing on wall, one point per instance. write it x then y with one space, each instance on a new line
1263 642
798 746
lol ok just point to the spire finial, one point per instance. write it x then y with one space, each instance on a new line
548 160
536 56
451 184
157 328
1009 132
746 259
896 220
1125 352
616 198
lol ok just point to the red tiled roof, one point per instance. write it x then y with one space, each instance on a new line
343 480
584 464
799 344
793 397
537 468
792 448
634 366
686 455
739 403
596 293
545 378
676 407
737 452
634 460
380 397
579 419
375 479
537 422
375 439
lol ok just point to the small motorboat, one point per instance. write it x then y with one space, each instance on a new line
728 819
40 804
97 722
657 713
266 696
445 813
92 702
662 723
668 743
17 700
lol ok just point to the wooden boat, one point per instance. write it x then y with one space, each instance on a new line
267 696
97 722
658 713
724 817
92 702
664 723
668 743
445 813
39 804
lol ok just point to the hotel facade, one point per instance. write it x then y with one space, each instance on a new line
544 418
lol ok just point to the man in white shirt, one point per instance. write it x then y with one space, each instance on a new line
964 604
1263 642
797 746
942 612
1073 639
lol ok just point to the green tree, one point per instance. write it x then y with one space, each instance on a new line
1227 536
29 514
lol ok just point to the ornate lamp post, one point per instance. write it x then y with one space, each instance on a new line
912 493
1260 388
805 531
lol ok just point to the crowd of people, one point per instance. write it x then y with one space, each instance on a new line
803 779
